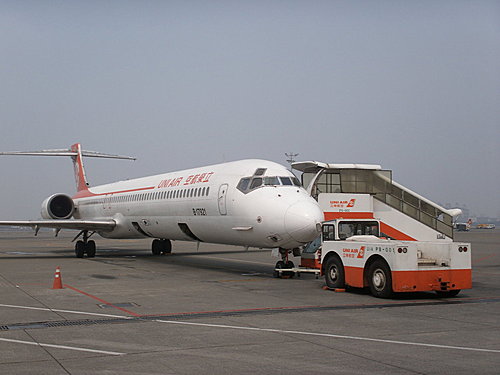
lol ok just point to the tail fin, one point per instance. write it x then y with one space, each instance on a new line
80 177
76 153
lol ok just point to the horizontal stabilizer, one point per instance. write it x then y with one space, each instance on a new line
67 152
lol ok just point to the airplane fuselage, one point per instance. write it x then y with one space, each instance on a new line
249 202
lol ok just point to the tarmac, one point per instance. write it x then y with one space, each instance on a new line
218 310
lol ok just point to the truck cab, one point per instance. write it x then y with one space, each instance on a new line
337 230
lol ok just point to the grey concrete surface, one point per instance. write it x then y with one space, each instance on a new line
219 311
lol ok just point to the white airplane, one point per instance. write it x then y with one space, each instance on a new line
252 203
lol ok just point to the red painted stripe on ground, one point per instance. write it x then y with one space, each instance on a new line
486 257
402 302
101 300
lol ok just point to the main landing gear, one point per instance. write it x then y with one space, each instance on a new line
161 247
284 263
85 246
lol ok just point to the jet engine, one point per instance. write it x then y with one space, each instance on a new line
58 206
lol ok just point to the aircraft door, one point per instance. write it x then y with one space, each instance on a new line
221 199
106 203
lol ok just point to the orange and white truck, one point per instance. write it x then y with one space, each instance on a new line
351 253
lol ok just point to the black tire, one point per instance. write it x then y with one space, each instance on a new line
79 249
380 279
447 293
289 264
334 273
166 246
156 247
279 265
90 249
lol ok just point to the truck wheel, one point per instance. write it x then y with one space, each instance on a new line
447 293
334 273
380 279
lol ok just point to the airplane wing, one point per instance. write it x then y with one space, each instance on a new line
92 225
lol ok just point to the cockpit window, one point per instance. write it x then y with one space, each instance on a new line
243 184
271 181
247 184
260 171
256 182
286 180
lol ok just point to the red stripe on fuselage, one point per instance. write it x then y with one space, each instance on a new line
88 193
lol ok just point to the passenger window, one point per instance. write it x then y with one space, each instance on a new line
256 182
208 188
286 181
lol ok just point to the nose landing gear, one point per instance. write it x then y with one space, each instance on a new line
284 263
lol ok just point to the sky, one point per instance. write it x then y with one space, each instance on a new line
413 86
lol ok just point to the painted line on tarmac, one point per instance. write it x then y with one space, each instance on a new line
486 257
61 347
65 311
411 303
329 335
102 301
265 330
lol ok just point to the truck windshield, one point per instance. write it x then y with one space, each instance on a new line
356 228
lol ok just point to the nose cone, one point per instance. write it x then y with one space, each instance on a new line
302 219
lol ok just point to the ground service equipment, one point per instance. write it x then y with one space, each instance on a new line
351 253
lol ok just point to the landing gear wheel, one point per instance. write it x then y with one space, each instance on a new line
284 265
156 247
447 293
166 247
79 249
279 265
334 273
380 279
90 249
289 264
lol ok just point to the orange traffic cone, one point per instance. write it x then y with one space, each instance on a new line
57 279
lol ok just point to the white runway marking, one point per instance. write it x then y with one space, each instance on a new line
66 311
264 330
331 335
61 347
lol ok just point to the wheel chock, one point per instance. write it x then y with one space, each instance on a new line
337 290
